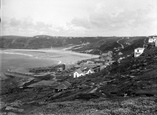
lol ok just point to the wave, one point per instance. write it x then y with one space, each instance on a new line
17 53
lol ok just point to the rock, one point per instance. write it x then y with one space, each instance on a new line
11 113
16 103
2 104
9 108
14 109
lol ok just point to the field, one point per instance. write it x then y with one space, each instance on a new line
130 106
21 58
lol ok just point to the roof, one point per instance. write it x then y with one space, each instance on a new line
77 66
152 39
66 83
87 66
63 85
42 83
139 48
99 61
78 71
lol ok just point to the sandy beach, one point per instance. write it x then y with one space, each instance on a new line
26 58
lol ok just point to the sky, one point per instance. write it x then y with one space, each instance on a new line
79 17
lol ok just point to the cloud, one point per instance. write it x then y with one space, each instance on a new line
81 18
116 19
14 22
24 26
28 27
81 22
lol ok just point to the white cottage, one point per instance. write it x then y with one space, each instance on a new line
89 71
79 72
138 52
152 40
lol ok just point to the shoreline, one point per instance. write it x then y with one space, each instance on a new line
60 51
43 57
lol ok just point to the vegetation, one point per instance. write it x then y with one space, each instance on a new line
124 88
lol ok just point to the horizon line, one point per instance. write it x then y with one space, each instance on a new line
78 36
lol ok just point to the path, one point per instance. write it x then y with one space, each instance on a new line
144 43
59 62
122 46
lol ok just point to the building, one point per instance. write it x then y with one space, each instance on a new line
62 86
90 62
90 71
108 59
120 59
81 72
108 54
138 52
60 67
78 73
120 53
103 67
99 62
152 40
156 43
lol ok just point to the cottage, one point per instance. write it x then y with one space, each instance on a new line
81 72
103 67
78 73
90 71
77 66
108 59
108 54
138 52
60 67
120 53
62 86
156 43
99 62
90 62
120 59
152 40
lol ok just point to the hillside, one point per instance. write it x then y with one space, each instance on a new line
92 45
42 41
128 87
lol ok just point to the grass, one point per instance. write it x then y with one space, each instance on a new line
132 106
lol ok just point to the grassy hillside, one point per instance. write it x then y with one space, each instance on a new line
42 41
93 45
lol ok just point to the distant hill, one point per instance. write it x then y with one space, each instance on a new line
92 45
42 41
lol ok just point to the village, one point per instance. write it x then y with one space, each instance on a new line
57 75
81 68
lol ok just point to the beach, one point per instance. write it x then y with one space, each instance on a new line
27 58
